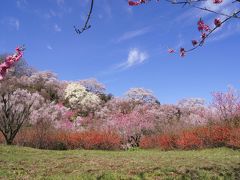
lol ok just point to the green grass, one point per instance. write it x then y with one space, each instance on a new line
27 163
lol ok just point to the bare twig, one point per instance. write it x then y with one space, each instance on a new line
193 2
86 25
215 12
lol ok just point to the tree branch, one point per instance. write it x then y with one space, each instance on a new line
86 25
210 32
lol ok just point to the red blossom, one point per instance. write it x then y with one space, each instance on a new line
217 22
217 1
136 3
171 50
194 42
202 26
182 52
204 35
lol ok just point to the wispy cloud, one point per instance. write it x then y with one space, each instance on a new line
21 3
135 57
226 7
133 34
225 32
60 3
12 22
107 9
49 47
216 7
57 28
15 23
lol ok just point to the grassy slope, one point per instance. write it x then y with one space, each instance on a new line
27 163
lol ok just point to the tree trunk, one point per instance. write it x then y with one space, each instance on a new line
9 141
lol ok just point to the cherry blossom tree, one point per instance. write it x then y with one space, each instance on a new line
133 125
15 109
193 111
48 118
141 95
45 83
167 118
80 99
92 85
227 106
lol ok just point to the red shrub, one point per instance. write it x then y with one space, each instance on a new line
219 135
201 137
148 142
234 140
164 142
93 140
67 140
214 136
189 140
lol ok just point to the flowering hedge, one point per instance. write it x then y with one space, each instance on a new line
62 140
197 138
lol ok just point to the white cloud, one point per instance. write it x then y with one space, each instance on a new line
135 57
133 34
57 28
49 47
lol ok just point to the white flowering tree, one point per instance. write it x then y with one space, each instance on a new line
193 110
92 85
80 99
141 95
46 83
15 109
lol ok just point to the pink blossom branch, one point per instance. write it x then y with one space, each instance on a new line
211 31
10 61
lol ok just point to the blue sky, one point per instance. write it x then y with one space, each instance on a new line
126 47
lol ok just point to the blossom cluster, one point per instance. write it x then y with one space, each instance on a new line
80 98
10 61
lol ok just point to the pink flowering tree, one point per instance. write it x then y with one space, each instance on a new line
227 106
167 118
133 125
